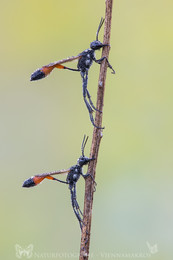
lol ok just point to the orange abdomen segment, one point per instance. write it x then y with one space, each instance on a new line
38 179
46 70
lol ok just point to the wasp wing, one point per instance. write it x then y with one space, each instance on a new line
64 171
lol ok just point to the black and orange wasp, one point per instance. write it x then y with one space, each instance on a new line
85 60
73 175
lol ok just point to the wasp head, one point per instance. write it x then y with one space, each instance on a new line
96 45
84 160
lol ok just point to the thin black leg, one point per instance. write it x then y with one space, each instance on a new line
75 200
75 205
109 65
91 103
85 82
90 110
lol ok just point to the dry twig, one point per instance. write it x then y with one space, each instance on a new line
97 134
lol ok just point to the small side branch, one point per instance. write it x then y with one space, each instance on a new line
97 134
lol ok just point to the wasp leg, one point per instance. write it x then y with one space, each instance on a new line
85 82
89 175
109 65
75 204
91 103
90 110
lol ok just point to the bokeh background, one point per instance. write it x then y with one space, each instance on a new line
43 123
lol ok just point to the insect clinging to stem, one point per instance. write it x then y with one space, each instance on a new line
85 60
73 175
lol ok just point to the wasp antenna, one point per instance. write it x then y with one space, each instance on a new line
100 25
85 139
82 146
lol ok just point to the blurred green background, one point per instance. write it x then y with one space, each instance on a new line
43 123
